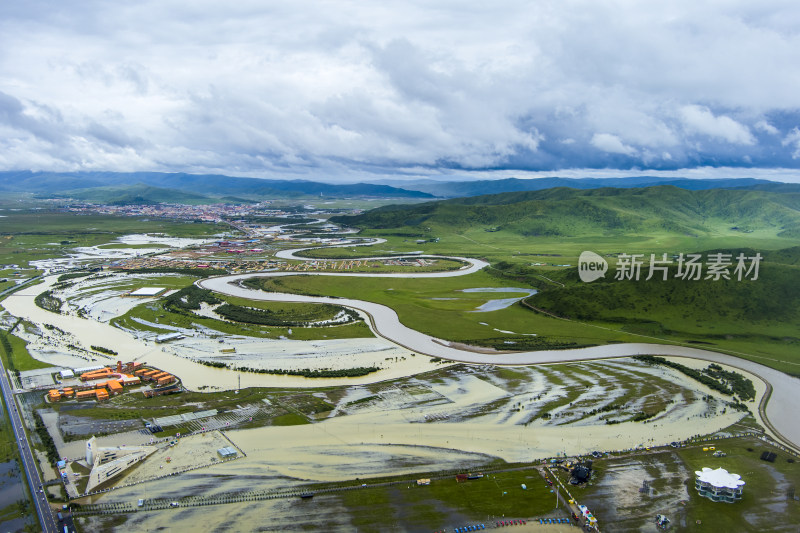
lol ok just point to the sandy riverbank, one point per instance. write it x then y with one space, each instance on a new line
376 444
86 332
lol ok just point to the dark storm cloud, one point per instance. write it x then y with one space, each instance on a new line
39 122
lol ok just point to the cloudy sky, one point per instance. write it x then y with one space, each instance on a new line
336 89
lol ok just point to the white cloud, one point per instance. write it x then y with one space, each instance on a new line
612 144
793 140
699 119
289 87
766 127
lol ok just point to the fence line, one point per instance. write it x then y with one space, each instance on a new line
199 501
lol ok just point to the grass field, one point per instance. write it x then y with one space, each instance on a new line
766 334
18 358
421 304
756 319
419 307
9 449
614 497
764 503
334 261
31 235
502 245
8 444
136 406
447 503
155 313
437 307
414 299
567 221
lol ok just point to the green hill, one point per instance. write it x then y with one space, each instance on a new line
534 239
757 319
457 189
563 212
747 306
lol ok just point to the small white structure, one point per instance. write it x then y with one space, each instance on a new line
90 450
166 337
88 369
719 485
67 374
228 452
147 292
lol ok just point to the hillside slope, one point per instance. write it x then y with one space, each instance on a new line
457 189
569 212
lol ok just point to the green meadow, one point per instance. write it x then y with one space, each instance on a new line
567 221
534 239
156 314
38 234
765 506
446 503
508 246
437 306
15 354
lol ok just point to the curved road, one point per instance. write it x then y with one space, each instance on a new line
777 408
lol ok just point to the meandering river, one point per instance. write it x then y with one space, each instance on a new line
780 411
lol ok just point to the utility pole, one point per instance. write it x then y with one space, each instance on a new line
240 382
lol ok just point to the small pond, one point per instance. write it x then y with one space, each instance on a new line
502 303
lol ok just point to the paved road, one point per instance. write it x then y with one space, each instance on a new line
778 413
46 518
18 286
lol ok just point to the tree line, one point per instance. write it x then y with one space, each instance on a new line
48 302
305 372
267 317
47 440
189 299
714 377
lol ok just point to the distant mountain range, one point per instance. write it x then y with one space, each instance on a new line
214 187
159 187
458 189
608 211
138 194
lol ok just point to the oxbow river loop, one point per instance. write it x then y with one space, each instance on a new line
777 408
